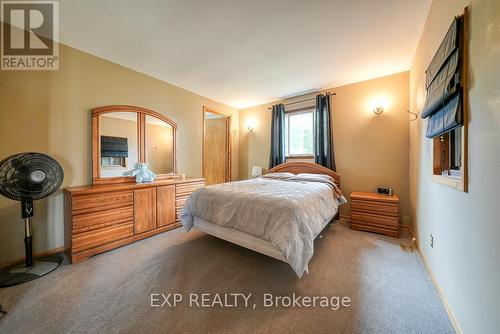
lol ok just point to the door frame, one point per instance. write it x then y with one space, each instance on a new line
228 176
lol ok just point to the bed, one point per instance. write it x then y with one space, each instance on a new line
279 214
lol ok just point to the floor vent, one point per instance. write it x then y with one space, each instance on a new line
407 248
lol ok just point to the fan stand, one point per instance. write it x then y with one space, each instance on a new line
31 269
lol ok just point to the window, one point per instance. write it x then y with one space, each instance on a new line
446 107
299 134
448 154
113 162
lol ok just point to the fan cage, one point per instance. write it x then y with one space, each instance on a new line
15 171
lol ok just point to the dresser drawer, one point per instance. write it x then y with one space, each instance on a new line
101 202
93 220
187 188
178 214
179 203
182 192
374 219
375 207
102 236
180 200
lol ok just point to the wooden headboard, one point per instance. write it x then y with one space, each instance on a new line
305 167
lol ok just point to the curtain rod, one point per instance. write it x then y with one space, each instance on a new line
305 100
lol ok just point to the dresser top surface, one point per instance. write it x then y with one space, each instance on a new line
374 197
89 189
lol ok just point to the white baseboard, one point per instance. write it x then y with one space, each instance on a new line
440 292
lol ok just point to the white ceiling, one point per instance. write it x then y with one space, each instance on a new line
248 52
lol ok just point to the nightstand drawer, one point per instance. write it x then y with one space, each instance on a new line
362 217
375 207
375 213
391 232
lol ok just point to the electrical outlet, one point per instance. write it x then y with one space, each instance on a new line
432 241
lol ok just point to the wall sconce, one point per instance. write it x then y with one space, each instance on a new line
250 124
379 104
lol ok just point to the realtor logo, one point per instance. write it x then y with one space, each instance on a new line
30 35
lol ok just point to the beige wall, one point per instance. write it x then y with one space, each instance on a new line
370 150
159 145
116 127
465 257
49 112
159 148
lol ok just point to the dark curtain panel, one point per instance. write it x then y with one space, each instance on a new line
323 143
277 136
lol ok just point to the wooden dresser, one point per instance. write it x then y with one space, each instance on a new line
375 213
103 217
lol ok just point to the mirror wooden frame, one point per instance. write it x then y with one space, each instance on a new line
141 140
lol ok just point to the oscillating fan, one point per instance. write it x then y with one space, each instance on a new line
27 177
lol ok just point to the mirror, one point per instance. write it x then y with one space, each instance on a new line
118 143
159 145
125 135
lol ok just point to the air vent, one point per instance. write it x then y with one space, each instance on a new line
407 248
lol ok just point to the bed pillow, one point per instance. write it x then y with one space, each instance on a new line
279 176
315 176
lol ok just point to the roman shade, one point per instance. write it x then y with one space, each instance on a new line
114 147
443 106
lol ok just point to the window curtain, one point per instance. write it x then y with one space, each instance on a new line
443 105
323 141
277 136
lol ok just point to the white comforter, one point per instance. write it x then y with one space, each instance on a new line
289 213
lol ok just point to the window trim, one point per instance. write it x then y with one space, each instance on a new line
300 111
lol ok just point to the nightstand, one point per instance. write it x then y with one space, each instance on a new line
375 213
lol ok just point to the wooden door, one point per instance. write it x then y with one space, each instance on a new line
165 205
216 150
144 210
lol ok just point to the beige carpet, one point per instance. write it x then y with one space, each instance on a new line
110 293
